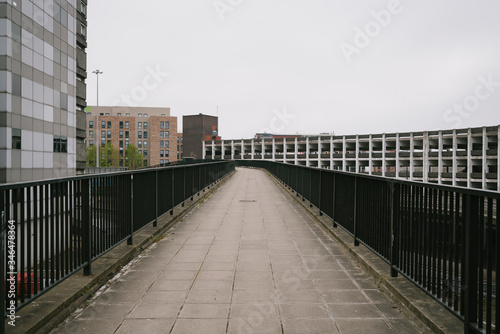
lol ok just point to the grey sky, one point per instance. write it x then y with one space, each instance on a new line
301 66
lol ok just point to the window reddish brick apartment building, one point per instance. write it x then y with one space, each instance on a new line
152 130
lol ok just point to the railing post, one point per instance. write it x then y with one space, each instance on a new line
192 182
471 262
319 201
395 193
333 201
355 223
87 225
173 193
130 240
183 186
155 223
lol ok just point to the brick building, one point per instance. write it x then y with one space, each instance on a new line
152 130
195 130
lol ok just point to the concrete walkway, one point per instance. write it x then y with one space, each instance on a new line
248 260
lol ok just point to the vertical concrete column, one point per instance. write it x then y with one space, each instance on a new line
203 153
284 150
412 158
398 164
383 155
242 149
262 148
232 149
485 161
425 155
274 151
469 156
454 156
295 158
320 159
252 154
307 151
440 157
213 149
344 152
357 154
370 155
222 149
331 152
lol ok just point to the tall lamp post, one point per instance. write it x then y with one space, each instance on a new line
97 72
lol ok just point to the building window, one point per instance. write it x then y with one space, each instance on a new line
139 143
161 143
145 153
16 33
91 134
163 115
91 142
145 125
121 144
126 134
162 153
91 124
16 139
167 125
107 114
145 134
166 153
103 134
139 134
83 29
145 115
121 161
161 162
109 124
103 124
64 101
140 115
162 125
120 134
139 125
127 114
109 133
16 84
126 125
161 134
121 124
119 114
166 134
167 143
60 144
145 144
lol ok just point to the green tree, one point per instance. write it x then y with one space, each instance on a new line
109 156
91 156
133 159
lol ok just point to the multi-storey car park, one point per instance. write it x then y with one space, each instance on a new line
460 157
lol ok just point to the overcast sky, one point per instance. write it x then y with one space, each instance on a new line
306 66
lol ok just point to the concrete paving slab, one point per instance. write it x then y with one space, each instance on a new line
248 260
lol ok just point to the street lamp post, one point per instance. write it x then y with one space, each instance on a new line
97 72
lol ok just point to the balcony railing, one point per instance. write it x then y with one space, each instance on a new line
53 228
444 239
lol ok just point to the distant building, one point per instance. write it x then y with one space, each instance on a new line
195 130
180 146
270 135
459 157
152 130
42 89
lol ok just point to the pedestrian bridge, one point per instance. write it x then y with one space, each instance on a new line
248 260
279 249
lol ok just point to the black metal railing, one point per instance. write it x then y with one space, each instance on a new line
444 239
53 228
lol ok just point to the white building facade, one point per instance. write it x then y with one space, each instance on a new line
460 157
